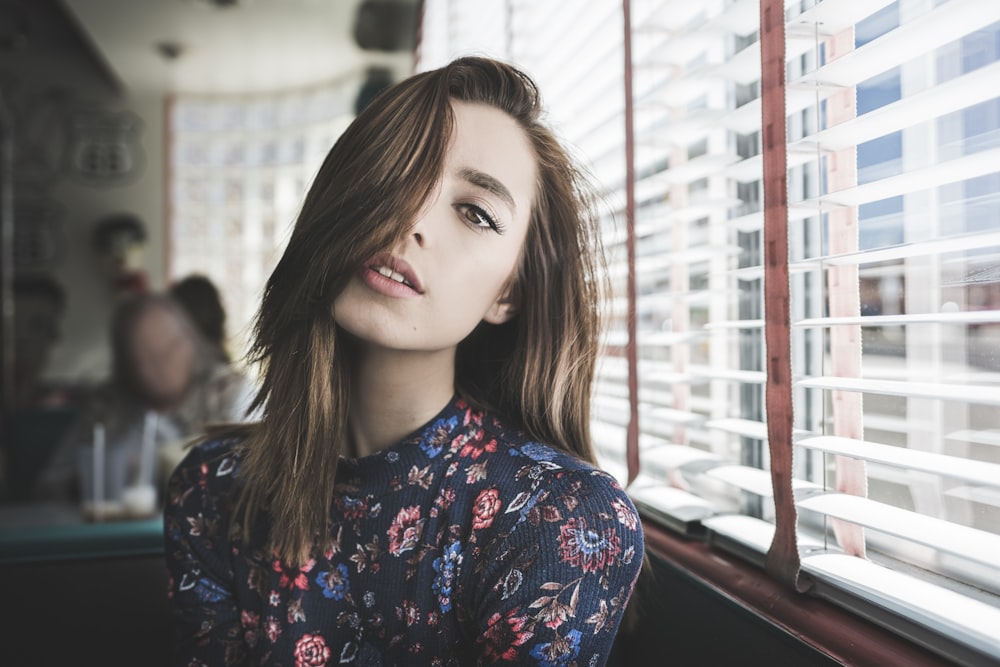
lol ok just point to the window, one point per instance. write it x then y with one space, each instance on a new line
892 118
240 166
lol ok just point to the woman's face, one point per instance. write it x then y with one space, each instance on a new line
453 268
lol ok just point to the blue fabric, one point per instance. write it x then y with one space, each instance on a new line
465 543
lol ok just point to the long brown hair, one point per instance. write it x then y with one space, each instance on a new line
536 369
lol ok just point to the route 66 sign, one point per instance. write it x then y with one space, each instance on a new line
104 146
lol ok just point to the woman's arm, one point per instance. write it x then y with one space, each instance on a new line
556 579
205 617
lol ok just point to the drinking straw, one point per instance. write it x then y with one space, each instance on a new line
98 465
146 456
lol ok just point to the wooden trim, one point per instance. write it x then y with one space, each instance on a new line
783 556
169 105
418 37
631 352
7 351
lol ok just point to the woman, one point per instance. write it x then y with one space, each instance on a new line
421 488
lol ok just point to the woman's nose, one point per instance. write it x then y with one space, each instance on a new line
429 220
420 228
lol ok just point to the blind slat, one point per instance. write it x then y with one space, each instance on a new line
943 24
979 437
968 620
981 472
958 243
967 393
948 171
837 15
677 507
961 92
944 536
968 317
754 480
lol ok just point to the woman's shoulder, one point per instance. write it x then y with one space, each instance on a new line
538 500
539 464
208 460
517 443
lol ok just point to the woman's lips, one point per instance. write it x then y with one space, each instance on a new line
391 276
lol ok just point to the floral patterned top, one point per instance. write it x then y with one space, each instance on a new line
464 544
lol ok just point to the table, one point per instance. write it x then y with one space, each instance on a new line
39 532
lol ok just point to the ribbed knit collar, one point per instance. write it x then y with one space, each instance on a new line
419 448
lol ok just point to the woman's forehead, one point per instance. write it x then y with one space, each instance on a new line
491 150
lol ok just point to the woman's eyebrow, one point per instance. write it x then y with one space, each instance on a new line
490 184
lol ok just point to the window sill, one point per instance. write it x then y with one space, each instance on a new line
846 637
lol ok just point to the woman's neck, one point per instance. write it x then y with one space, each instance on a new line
394 393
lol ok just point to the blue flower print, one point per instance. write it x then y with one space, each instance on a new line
537 452
438 435
335 583
559 652
204 587
524 503
444 565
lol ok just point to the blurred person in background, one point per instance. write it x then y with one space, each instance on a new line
39 305
39 411
167 384
201 299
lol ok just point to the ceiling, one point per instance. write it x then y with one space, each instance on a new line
229 46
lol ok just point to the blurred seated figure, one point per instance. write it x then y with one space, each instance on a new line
200 298
166 385
119 242
39 304
39 411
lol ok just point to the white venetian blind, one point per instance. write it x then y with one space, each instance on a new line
902 368
893 112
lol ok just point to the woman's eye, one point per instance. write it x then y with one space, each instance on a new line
479 218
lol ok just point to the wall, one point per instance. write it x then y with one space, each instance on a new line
68 111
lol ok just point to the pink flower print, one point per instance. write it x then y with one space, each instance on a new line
352 508
311 651
405 531
582 547
251 627
408 612
292 577
272 629
475 472
445 498
486 507
503 636
476 446
626 516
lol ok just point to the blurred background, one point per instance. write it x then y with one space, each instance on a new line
149 141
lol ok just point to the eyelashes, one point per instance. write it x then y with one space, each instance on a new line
479 218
